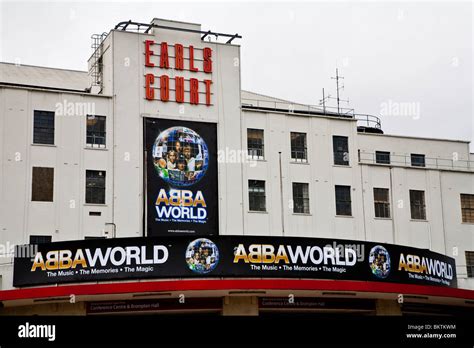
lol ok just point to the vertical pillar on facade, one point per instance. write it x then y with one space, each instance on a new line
240 305
387 307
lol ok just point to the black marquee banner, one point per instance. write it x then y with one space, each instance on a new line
181 177
230 256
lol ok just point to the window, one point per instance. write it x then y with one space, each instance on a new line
467 207
381 202
43 128
257 195
92 237
95 131
470 263
417 205
40 239
42 184
382 157
95 186
343 200
255 143
300 198
298 147
341 150
417 160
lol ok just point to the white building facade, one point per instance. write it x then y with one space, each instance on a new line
446 175
72 168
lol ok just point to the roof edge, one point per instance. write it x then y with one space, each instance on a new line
418 137
44 67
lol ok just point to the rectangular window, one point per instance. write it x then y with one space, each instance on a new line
382 157
470 263
95 186
467 207
40 239
417 205
381 202
417 160
92 237
255 143
298 147
95 131
257 195
343 200
42 184
43 127
341 150
300 198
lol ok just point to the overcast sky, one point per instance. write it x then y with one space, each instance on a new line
409 62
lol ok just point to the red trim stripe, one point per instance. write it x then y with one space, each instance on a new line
233 284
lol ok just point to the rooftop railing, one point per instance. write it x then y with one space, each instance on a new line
368 121
402 160
296 108
363 120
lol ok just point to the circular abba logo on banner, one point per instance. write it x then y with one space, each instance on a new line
379 261
180 156
202 256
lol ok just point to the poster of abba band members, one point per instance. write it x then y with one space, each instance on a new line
181 177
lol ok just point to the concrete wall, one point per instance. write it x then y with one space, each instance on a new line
442 231
67 217
319 172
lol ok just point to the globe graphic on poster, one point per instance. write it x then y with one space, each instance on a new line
202 256
180 156
379 261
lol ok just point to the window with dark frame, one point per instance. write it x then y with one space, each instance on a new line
300 198
95 131
341 150
343 200
95 186
417 160
467 207
42 184
257 195
417 205
40 239
299 151
255 144
382 157
470 263
43 127
381 202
